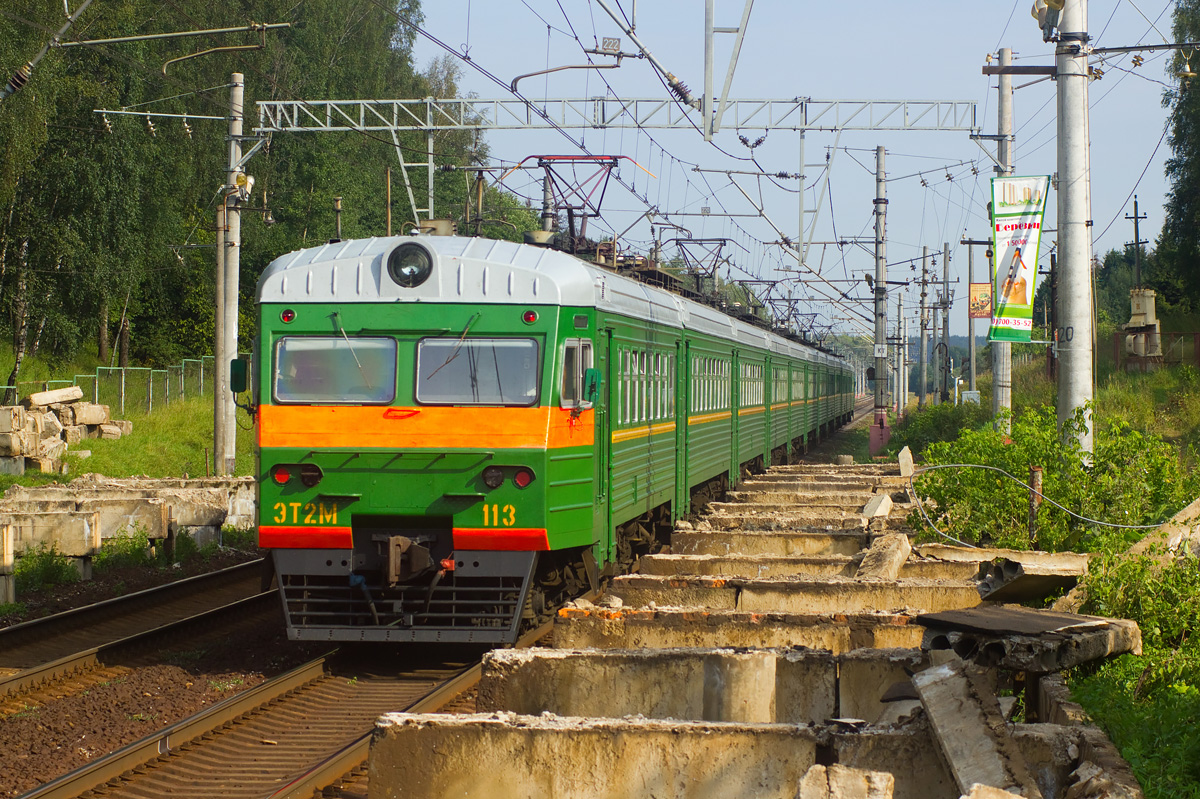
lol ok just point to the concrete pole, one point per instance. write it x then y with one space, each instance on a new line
388 201
1002 350
707 105
1074 212
219 348
946 378
880 431
233 247
923 355
900 395
935 356
547 204
970 320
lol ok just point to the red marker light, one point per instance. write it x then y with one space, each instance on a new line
448 564
281 475
523 477
287 316
529 317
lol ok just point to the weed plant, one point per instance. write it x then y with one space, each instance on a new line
43 567
1149 705
1131 479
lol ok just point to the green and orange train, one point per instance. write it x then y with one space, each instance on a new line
455 434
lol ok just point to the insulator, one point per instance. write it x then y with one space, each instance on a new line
150 126
187 129
680 90
107 123
1138 60
20 78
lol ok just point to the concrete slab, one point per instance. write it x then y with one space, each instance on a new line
753 566
970 731
886 557
1022 639
506 756
878 507
768 542
760 566
1076 560
579 627
798 595
42 398
1008 580
791 685
842 782
75 535
12 419
905 461
789 518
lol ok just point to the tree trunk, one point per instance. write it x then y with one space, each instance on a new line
20 312
37 338
102 330
123 343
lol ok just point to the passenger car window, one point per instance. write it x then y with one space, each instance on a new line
478 371
327 370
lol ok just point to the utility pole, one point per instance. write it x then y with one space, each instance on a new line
923 355
946 320
224 407
219 348
879 429
1074 216
901 396
337 215
936 394
970 319
1137 245
1002 350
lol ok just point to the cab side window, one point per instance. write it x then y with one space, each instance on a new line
577 359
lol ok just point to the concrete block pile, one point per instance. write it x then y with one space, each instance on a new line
793 644
36 434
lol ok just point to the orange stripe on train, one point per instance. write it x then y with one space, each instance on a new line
363 427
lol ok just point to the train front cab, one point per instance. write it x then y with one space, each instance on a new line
426 471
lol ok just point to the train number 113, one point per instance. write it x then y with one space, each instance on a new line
496 516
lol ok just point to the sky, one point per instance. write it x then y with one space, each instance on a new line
938 182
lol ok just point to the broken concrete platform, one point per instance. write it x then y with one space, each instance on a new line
508 756
787 685
580 626
763 566
798 595
815 541
1022 639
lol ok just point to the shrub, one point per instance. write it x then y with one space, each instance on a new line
43 567
937 423
1131 479
127 549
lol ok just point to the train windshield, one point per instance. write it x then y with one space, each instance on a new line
478 371
335 370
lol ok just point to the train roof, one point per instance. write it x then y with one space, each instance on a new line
485 271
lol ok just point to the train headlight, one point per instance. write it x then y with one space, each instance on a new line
493 476
409 265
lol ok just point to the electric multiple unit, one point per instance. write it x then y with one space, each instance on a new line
457 434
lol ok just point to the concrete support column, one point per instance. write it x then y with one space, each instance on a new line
740 687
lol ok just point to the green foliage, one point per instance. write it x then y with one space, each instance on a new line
1148 706
1163 598
43 567
127 549
937 423
244 539
1132 478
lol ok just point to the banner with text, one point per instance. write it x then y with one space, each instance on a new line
1018 205
979 305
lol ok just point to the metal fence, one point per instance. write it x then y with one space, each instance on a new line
135 389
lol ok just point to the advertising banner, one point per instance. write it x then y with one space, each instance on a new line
1018 205
979 306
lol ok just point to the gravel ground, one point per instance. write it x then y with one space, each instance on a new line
42 741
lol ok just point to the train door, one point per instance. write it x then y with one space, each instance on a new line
682 503
735 403
602 505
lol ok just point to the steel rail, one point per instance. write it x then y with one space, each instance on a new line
160 743
355 754
81 661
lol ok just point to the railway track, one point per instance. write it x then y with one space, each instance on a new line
284 739
62 654
40 641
